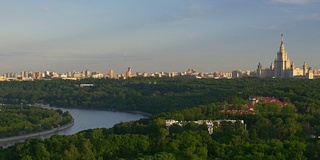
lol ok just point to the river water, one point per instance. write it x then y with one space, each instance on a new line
89 119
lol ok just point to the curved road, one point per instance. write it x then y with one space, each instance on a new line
4 141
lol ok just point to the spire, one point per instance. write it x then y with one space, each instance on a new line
293 66
271 66
259 66
282 49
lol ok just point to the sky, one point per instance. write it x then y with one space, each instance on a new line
153 36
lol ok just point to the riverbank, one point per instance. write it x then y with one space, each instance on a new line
139 112
102 109
14 139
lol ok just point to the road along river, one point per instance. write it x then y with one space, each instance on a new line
83 119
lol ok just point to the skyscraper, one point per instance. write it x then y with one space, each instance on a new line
87 73
128 73
111 73
282 62
283 68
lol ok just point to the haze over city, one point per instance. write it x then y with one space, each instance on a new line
150 36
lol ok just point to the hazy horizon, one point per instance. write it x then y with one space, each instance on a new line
151 36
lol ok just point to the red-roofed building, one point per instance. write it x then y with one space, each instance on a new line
253 100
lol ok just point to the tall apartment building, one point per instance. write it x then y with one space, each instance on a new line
111 73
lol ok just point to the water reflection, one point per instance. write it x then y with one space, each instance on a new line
89 119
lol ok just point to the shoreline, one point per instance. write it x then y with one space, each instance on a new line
15 139
138 112
9 141
111 110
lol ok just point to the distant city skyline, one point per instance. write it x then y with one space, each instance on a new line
151 36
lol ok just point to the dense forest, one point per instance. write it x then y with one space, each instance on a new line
271 131
16 120
156 95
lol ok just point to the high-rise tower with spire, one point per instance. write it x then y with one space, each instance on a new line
282 68
282 62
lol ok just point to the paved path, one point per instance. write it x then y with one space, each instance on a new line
33 135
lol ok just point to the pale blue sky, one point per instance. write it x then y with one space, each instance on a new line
166 35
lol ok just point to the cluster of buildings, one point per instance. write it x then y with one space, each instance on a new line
48 75
254 100
249 108
282 67
211 124
75 75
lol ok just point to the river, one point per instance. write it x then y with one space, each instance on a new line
89 119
